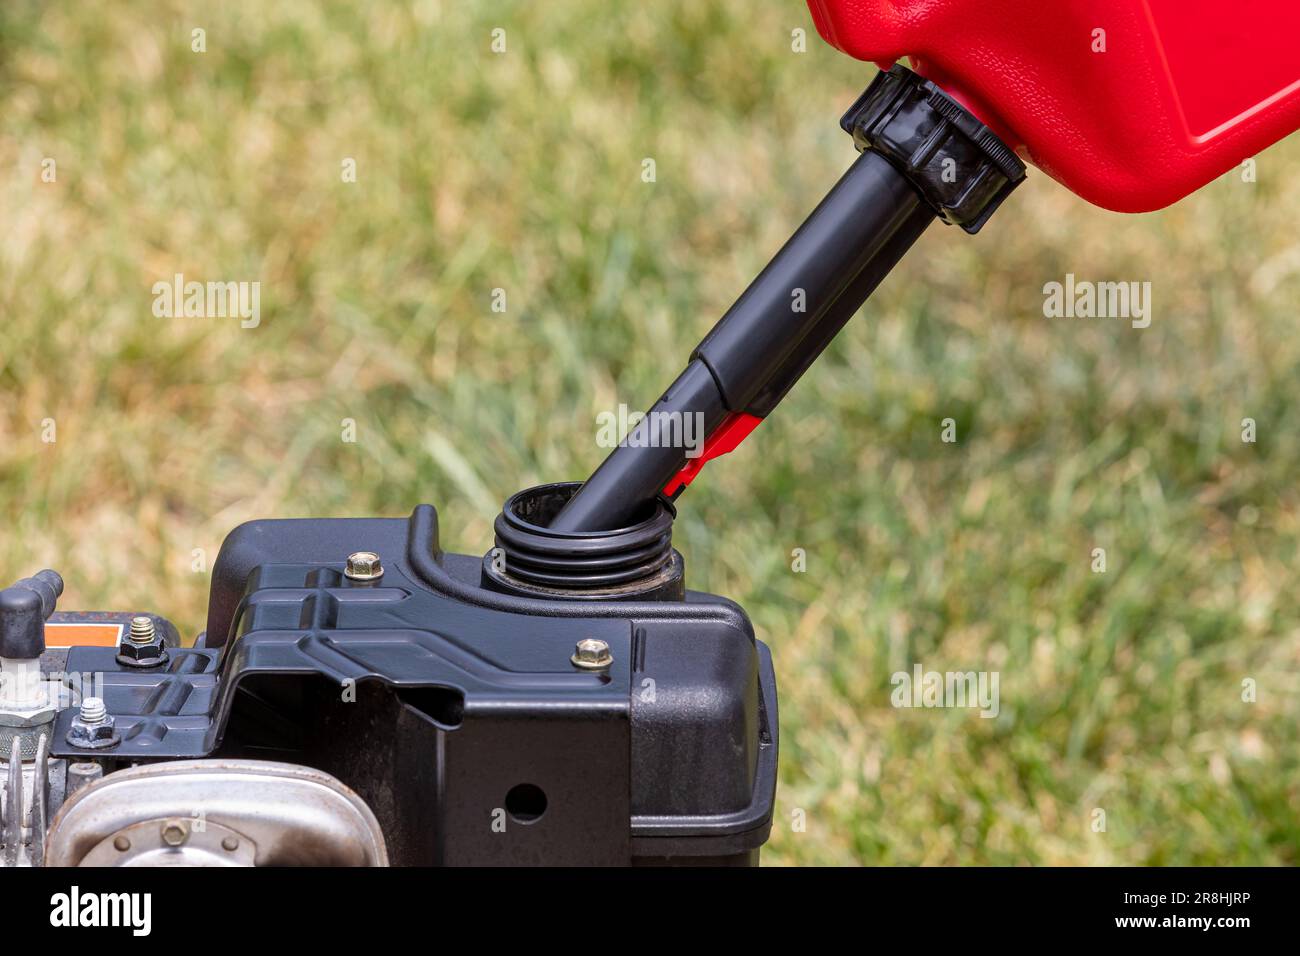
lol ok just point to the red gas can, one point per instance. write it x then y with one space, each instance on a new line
1132 104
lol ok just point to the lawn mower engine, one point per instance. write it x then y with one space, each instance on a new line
361 697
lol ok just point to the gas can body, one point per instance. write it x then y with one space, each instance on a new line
1131 104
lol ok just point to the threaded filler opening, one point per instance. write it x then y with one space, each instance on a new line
621 563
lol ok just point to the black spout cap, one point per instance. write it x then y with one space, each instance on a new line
958 165
24 609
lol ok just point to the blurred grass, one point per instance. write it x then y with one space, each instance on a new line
522 171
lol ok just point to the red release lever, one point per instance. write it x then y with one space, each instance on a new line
734 429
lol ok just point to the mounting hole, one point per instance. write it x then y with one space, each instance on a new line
526 803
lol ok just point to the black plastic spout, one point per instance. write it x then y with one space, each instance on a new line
923 155
768 338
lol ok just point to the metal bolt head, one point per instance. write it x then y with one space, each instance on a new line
174 833
363 566
93 727
592 654
142 630
122 844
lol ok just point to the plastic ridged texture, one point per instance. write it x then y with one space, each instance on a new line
957 164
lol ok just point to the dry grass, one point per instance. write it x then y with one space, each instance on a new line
522 171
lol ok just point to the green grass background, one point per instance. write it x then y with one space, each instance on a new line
522 171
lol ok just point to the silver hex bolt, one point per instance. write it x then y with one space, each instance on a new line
592 654
93 727
363 566
93 711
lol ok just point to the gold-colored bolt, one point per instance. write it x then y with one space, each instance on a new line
592 654
363 566
174 834
142 630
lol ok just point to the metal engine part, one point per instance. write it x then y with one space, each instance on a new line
28 789
215 813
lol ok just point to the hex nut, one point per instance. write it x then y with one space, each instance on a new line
93 735
592 654
142 645
363 566
142 655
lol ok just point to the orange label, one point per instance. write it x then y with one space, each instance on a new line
82 635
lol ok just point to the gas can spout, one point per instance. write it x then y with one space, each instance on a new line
923 155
